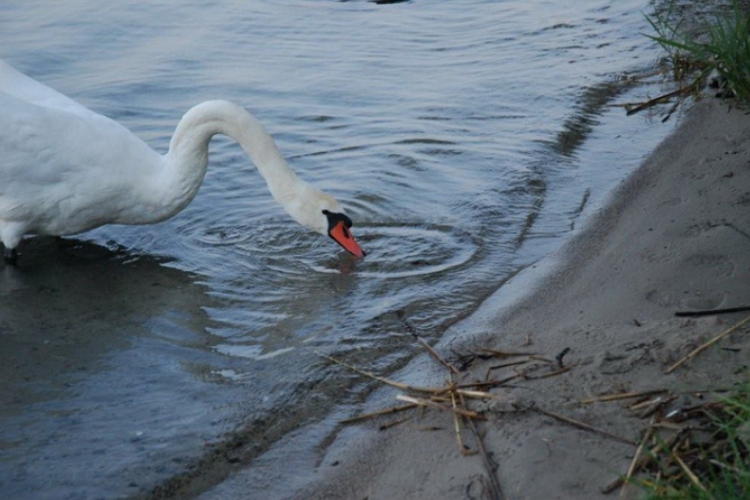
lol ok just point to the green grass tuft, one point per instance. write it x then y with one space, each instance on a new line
721 465
723 48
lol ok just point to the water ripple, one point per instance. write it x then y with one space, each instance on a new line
403 250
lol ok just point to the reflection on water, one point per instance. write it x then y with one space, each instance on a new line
100 368
459 136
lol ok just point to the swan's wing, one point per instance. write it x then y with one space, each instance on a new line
64 172
20 86
32 164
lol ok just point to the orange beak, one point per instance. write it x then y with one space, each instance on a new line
344 237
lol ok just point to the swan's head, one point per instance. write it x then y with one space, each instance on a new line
320 212
339 225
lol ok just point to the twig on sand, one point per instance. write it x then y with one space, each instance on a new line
551 374
658 100
474 394
584 426
457 428
388 425
380 413
432 404
496 491
392 383
478 385
711 312
538 357
524 374
705 346
511 363
559 357
437 356
506 354
621 395
636 458
453 397
690 474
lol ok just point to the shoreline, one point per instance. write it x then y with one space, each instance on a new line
673 236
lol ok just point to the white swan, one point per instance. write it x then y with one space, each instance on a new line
65 169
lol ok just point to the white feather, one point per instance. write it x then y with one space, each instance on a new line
65 169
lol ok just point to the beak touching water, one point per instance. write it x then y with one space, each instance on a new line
341 234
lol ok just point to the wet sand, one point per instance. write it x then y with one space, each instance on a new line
675 236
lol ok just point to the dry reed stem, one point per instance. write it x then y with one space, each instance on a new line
379 413
454 389
539 357
656 405
551 374
691 475
475 385
457 427
512 363
705 346
633 468
392 383
388 425
440 399
584 426
657 100
430 404
476 394
644 404
506 354
508 379
496 492
620 396
437 356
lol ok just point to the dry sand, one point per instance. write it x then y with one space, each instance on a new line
675 236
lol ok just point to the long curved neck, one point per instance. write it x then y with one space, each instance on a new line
188 151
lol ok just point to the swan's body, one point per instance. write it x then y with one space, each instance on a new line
65 169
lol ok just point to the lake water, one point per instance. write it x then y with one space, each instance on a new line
465 139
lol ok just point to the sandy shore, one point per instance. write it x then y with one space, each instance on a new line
675 236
